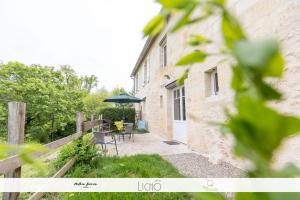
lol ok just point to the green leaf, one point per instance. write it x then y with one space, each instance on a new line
185 19
217 2
290 170
191 58
184 76
275 66
155 25
33 148
175 4
237 81
264 57
231 30
196 40
266 91
256 125
6 149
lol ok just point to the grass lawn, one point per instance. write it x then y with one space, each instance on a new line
139 166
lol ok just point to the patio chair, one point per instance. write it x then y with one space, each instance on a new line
128 130
99 138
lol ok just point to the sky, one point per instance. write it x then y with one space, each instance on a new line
100 37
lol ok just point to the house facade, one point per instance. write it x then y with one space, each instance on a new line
185 113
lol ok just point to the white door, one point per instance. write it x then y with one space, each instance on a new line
179 115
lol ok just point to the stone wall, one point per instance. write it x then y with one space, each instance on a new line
267 18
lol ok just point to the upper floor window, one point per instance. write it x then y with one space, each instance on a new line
136 82
212 82
163 52
215 82
145 71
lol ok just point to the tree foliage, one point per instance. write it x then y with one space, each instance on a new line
52 98
257 128
94 102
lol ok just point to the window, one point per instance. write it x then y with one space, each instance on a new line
177 115
212 82
165 55
140 78
145 71
163 52
148 67
179 104
136 84
161 101
183 103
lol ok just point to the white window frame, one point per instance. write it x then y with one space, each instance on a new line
136 82
182 114
163 52
141 84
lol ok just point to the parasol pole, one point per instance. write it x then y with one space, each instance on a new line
123 113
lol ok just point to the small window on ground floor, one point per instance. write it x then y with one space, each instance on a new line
161 101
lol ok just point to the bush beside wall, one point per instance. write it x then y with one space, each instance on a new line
116 114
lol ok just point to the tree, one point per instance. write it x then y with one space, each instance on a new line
89 82
117 91
52 97
253 63
70 77
94 102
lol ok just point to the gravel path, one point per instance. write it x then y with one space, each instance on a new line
195 165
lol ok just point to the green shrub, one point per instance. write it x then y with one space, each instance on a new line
83 149
116 114
65 154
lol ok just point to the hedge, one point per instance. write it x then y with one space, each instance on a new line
116 114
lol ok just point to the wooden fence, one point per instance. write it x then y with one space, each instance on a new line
11 167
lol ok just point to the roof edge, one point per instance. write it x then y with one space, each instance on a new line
142 55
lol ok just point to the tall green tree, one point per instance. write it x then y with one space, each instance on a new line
89 82
94 102
117 91
52 97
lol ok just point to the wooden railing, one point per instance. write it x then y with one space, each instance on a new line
11 167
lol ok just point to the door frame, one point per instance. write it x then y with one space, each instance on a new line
182 120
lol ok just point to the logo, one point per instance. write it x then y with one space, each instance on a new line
150 186
86 185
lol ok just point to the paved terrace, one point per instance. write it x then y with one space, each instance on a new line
189 163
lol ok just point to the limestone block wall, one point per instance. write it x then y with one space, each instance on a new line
261 19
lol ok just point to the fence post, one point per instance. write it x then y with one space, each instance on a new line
16 128
79 120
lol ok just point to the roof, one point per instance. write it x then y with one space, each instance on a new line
144 52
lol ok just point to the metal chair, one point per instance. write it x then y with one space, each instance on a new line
99 138
128 130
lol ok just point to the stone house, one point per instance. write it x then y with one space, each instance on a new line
184 113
